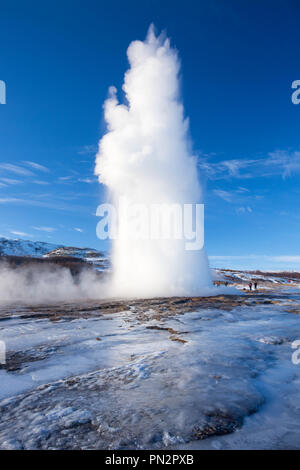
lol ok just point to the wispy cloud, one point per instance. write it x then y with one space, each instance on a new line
287 162
280 162
242 190
45 229
227 169
65 178
226 195
88 150
20 234
78 230
234 167
279 259
37 166
261 262
243 210
17 169
40 182
241 198
8 181
56 205
5 200
87 180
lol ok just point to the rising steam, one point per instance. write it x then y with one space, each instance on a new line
47 284
145 156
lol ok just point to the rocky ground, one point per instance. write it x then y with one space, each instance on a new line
212 372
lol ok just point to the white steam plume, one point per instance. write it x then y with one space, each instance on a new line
145 157
47 284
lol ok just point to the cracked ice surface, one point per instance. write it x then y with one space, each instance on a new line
217 374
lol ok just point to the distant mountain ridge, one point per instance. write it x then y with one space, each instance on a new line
33 249
85 253
18 247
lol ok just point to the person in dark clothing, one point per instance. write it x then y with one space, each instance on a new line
255 285
250 286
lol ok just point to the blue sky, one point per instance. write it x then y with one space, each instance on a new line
239 60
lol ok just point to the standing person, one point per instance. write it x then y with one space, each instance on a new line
250 286
255 285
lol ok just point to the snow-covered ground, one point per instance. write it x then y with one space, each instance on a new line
210 373
265 281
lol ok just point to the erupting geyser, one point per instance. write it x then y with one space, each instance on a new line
145 158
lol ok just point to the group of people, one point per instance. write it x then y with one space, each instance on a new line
254 285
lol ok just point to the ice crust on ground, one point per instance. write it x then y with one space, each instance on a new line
208 378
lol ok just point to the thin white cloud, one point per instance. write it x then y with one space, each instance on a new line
280 162
227 169
7 181
286 259
18 170
40 182
60 206
20 234
257 262
243 210
45 229
226 195
87 180
241 189
234 167
5 200
276 259
37 166
88 150
78 229
65 178
287 162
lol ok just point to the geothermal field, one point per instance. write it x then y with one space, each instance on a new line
180 329
163 373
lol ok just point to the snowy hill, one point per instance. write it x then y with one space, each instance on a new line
84 253
19 247
97 258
